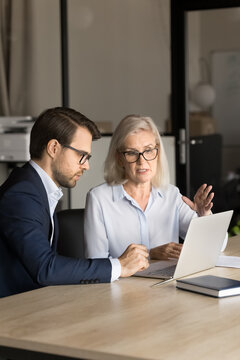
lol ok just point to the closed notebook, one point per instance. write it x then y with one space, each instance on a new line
210 285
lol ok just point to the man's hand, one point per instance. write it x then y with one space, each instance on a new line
165 252
202 201
134 258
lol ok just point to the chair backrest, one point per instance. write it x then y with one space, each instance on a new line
71 234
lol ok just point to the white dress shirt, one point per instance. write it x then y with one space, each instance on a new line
54 193
114 220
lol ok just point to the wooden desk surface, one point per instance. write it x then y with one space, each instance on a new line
128 319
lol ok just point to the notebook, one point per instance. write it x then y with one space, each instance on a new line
200 251
215 286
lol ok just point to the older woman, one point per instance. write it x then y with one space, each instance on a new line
137 204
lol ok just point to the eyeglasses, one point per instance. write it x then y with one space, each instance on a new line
133 156
84 155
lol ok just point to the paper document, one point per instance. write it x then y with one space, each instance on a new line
229 261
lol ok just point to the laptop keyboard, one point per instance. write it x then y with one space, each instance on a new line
166 272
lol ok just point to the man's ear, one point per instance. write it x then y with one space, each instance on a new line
53 148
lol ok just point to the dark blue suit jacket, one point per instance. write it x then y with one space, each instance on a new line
27 261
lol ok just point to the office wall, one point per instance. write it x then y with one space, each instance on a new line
220 32
119 54
119 58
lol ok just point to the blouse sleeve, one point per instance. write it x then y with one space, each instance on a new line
95 237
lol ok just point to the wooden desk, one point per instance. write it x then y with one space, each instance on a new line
127 319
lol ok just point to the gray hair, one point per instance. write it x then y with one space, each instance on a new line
113 172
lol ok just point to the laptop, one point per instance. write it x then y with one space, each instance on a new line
200 251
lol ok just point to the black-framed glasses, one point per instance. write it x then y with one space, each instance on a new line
133 156
84 155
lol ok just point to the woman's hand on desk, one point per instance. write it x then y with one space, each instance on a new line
134 258
166 252
202 201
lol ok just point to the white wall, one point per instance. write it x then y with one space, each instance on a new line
120 58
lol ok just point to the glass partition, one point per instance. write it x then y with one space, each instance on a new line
214 105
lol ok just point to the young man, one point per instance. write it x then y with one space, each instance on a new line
60 147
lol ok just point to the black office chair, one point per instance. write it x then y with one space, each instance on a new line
71 235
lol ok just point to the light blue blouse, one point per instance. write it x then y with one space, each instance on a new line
114 220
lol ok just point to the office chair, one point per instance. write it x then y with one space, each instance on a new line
71 235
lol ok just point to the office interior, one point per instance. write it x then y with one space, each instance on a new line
119 63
